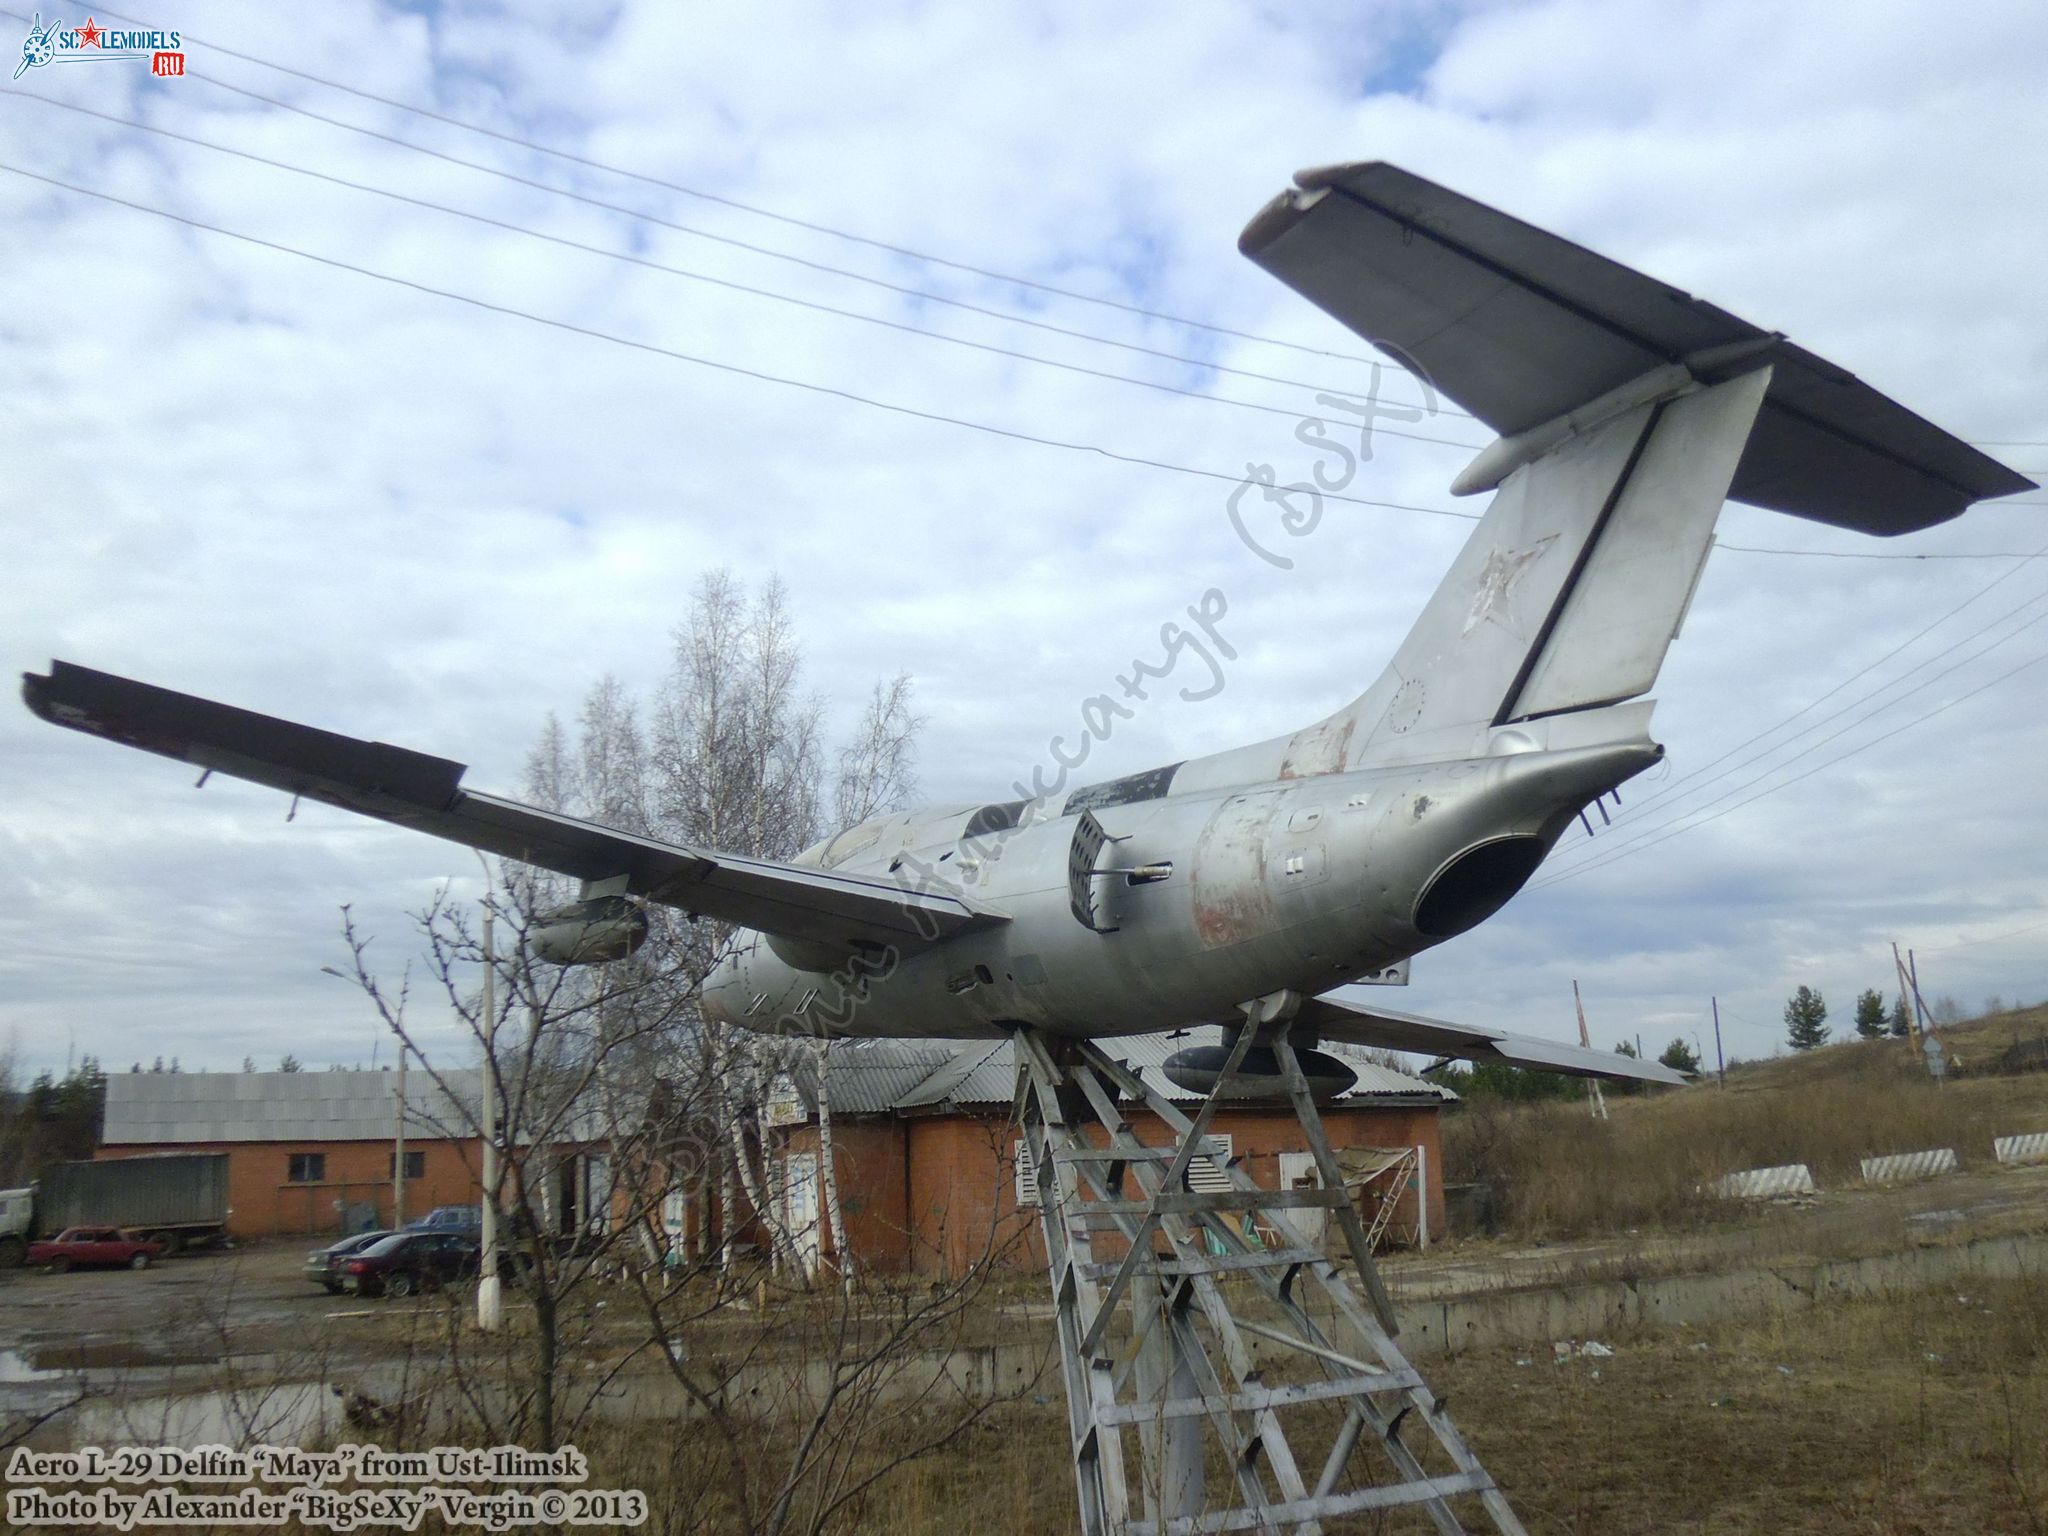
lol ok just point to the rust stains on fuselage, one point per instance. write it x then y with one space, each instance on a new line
1321 748
1232 899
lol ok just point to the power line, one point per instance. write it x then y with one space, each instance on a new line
1809 773
571 158
720 282
1637 834
924 295
1880 554
1676 786
2013 933
655 349
762 375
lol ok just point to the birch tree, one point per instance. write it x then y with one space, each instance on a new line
878 767
877 774
731 757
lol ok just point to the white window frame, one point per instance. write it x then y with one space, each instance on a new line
1207 1173
800 1183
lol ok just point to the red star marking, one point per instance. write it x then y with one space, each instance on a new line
89 34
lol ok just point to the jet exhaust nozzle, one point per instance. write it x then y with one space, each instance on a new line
588 932
1258 1075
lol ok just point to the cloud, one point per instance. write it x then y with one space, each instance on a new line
341 500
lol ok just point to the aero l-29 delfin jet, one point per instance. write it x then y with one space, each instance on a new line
1248 883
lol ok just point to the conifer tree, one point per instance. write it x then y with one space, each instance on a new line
1901 1021
1679 1056
1806 1014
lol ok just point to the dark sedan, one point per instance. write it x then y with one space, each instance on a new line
407 1263
323 1265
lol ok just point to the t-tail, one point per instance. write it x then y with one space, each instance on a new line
1627 413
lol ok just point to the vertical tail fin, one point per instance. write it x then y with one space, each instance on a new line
1571 588
1628 411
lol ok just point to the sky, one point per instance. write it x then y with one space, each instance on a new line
428 487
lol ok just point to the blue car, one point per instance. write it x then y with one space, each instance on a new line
450 1218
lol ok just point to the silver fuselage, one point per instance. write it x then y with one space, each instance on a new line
1297 884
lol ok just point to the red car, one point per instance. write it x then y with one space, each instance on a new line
94 1245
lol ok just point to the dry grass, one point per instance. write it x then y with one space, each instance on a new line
1916 1414
1919 1413
1560 1173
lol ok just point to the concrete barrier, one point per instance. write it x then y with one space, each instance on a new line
2014 1150
1766 1183
1899 1166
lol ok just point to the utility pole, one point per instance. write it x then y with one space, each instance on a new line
1593 1094
1909 993
1720 1061
398 1148
488 1301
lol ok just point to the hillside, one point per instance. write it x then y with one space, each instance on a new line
1558 1172
1975 1044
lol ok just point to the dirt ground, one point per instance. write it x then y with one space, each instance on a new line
176 1314
1834 1224
1920 1413
1916 1416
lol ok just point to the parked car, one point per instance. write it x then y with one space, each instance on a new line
450 1218
179 1201
323 1265
76 1247
406 1263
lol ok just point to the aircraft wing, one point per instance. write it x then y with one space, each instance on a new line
412 789
1519 326
1333 1019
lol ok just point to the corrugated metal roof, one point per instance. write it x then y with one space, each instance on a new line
181 1108
168 1109
870 1076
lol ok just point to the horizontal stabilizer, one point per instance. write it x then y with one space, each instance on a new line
1332 1019
1520 327
412 789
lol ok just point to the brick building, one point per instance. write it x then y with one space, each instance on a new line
927 1153
313 1152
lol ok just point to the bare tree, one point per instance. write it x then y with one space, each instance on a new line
734 755
570 1099
811 1400
878 767
877 774
809 1411
734 763
730 759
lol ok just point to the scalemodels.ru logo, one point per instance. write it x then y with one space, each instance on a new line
92 43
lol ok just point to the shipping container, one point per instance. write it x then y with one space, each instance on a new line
179 1196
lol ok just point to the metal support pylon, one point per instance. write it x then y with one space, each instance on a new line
1217 1349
